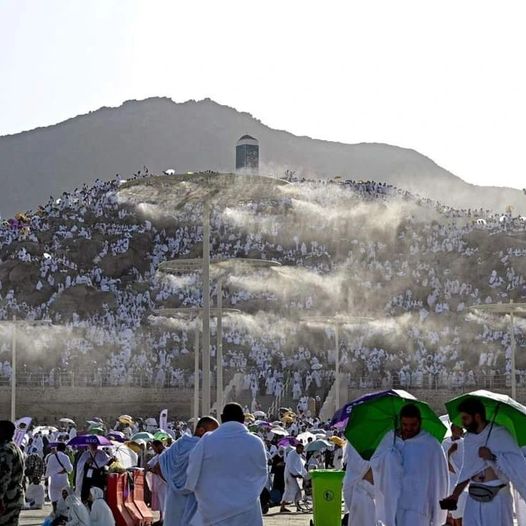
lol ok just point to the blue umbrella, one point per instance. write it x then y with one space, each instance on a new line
341 417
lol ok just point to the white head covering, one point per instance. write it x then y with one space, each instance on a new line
96 493
100 514
77 511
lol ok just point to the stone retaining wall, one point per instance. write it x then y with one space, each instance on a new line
83 403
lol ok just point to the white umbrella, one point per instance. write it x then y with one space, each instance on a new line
260 414
304 437
279 431
125 456
316 366
44 430
67 421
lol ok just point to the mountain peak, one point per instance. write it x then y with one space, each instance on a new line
198 135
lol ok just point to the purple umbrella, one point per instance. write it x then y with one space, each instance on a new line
88 440
341 417
288 441
117 436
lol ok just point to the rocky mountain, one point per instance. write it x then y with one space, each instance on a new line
193 136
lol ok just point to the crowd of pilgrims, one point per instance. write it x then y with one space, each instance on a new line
418 271
55 470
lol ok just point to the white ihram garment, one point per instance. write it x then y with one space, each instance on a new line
180 506
455 459
227 471
358 493
410 478
294 466
510 466
56 464
157 486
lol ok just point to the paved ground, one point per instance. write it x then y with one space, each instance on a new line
35 518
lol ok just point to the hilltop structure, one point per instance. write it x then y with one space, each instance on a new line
247 155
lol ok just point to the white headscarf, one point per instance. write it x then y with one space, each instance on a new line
78 513
62 507
100 514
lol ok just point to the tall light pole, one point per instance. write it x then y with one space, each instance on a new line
212 190
13 371
513 309
233 266
219 346
220 270
336 322
206 308
14 323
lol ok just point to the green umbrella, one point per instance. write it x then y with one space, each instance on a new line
96 430
374 415
144 435
501 409
161 435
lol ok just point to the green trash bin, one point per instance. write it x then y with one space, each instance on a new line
327 496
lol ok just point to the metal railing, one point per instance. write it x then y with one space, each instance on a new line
434 382
59 379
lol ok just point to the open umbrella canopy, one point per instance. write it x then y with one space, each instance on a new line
288 441
134 446
318 445
249 418
337 441
161 435
117 436
87 440
125 455
279 431
125 419
262 423
306 436
259 425
96 430
260 414
144 435
341 417
44 430
501 409
67 421
378 413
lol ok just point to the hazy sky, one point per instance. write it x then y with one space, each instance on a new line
446 78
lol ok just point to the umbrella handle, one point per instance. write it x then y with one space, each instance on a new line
492 423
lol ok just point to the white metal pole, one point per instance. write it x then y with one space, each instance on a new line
206 309
219 387
13 371
196 373
337 368
513 350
